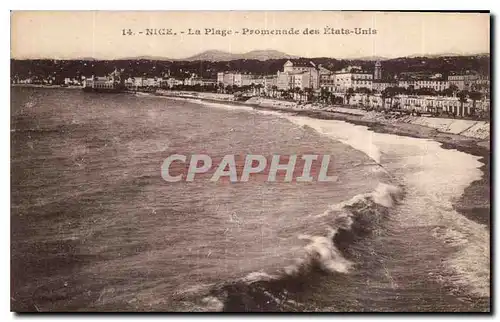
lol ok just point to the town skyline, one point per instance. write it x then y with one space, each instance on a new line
110 35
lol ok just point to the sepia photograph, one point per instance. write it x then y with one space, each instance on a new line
250 161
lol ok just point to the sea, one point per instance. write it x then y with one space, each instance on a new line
94 227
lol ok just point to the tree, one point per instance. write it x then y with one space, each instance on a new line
475 96
295 91
426 91
310 93
329 98
384 96
449 92
362 90
274 89
336 99
367 92
324 95
453 88
462 98
252 87
259 89
301 94
349 93
389 92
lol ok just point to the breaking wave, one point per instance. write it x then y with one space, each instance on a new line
348 223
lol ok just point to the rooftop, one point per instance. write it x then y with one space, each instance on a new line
301 63
297 72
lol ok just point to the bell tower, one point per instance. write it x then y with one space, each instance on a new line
378 71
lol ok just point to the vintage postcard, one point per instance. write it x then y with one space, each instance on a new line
250 161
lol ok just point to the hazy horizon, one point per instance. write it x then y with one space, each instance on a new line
99 34
241 53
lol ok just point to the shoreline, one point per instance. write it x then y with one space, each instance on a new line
47 86
475 201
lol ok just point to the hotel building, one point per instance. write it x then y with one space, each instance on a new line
352 77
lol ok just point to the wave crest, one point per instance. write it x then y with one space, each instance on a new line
351 221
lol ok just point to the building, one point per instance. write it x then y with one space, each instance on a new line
380 85
352 77
298 72
112 81
270 83
293 80
71 81
471 81
432 104
28 80
193 80
225 78
138 81
482 85
327 81
432 83
99 82
234 79
171 82
416 75
129 82
283 81
242 79
208 82
300 75
377 75
300 80
152 82
463 81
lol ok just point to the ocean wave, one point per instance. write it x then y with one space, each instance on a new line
348 222
350 219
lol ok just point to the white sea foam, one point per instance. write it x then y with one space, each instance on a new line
212 304
258 276
352 135
434 178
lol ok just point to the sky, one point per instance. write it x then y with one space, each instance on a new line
99 34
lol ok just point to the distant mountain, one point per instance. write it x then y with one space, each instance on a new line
86 58
147 58
369 58
212 55
262 55
218 55
446 55
267 54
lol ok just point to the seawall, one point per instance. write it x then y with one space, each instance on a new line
468 128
